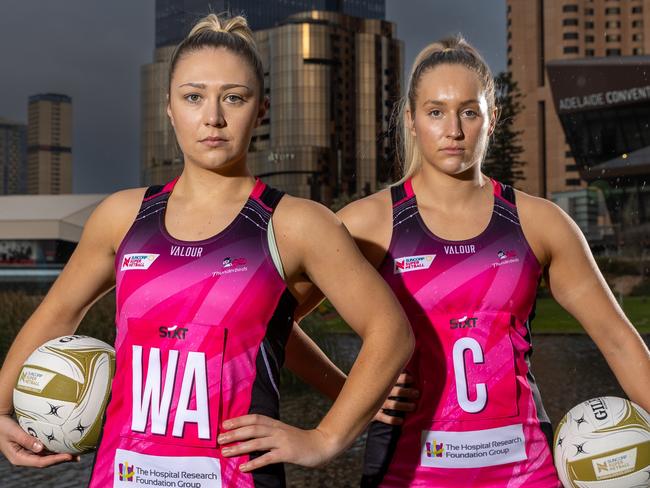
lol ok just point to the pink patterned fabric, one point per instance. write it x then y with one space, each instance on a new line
201 328
479 420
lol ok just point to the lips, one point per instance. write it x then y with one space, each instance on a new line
453 150
213 141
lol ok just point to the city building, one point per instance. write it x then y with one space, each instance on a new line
49 144
543 31
174 18
38 234
332 80
604 108
13 157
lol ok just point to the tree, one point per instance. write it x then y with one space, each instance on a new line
502 161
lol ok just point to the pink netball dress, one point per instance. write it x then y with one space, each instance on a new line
201 329
479 420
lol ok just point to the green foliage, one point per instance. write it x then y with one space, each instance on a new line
18 306
502 161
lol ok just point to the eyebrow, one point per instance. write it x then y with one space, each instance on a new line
438 102
203 86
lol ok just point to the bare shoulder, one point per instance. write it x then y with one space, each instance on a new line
115 214
366 216
301 214
544 224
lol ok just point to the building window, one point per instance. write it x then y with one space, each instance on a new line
571 50
613 38
571 167
589 38
570 8
573 182
637 51
570 35
612 10
613 24
637 37
570 22
589 52
568 154
637 23
589 11
613 52
637 10
589 25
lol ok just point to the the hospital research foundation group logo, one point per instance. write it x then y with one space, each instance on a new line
473 449
126 471
433 449
138 261
413 263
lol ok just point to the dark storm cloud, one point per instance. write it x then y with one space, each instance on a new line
92 50
420 22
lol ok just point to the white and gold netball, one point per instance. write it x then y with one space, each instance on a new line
62 390
604 442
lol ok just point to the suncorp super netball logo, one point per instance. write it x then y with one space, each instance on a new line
126 472
138 261
413 263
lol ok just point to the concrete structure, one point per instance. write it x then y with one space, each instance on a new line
541 31
49 144
38 233
332 80
13 157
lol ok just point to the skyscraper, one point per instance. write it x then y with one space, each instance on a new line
49 144
13 157
174 18
540 31
332 81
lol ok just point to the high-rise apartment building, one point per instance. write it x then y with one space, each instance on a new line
49 144
540 31
174 18
13 157
332 80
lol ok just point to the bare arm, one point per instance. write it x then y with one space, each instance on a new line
577 284
88 275
318 245
368 221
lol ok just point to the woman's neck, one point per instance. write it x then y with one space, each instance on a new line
437 189
197 183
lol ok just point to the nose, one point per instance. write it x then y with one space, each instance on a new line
454 128
215 116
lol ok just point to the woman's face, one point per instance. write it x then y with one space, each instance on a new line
452 122
214 105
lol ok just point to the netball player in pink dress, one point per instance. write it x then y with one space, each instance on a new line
464 255
208 270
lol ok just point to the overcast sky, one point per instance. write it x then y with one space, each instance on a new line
92 50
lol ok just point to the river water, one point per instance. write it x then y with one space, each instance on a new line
568 368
